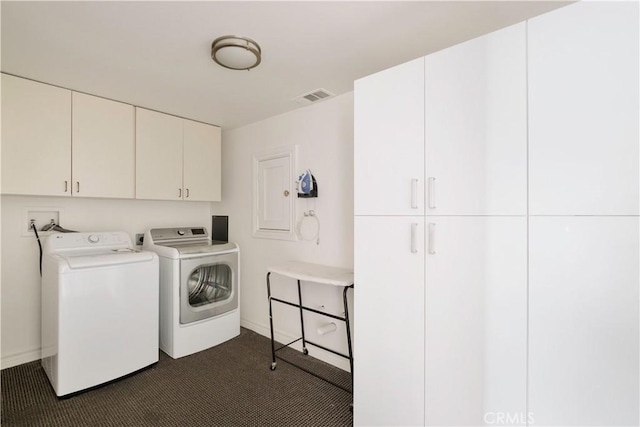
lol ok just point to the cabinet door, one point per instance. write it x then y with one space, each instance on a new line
476 126
583 110
476 320
158 156
389 321
36 138
103 148
202 162
583 321
389 141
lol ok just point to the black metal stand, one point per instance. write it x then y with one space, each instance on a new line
305 351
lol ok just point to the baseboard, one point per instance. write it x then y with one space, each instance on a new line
19 359
284 338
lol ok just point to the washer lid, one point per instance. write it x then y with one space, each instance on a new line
86 259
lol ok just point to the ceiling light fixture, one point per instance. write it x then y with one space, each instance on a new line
236 52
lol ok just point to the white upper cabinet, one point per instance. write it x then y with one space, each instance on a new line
476 126
583 321
176 159
476 319
389 141
103 148
202 162
36 138
583 110
158 156
388 303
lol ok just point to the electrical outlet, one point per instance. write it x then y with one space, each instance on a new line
139 239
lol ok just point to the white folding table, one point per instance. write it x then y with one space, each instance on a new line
316 273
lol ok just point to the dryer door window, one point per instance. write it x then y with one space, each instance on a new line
208 286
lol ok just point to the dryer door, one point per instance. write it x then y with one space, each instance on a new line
208 286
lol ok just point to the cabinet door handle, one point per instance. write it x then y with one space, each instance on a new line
66 186
180 193
414 194
414 238
432 238
432 192
77 186
187 192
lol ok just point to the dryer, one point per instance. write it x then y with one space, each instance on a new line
199 289
99 309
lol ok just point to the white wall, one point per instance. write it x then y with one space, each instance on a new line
324 136
20 276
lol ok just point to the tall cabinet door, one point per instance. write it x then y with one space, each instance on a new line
476 320
103 163
389 321
389 141
36 138
476 126
583 110
583 357
202 162
158 155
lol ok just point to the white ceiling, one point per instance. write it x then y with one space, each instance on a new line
157 54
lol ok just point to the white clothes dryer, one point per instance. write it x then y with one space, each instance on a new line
99 309
199 289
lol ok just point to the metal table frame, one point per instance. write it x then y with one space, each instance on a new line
305 351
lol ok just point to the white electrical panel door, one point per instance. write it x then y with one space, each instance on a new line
476 126
103 163
476 320
389 321
389 141
202 162
583 321
158 156
583 110
36 138
274 194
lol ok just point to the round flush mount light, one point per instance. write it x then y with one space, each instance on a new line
236 52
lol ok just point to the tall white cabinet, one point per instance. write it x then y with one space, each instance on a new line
497 270
451 340
584 192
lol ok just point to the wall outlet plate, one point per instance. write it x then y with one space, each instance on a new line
139 239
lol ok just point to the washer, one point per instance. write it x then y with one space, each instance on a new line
99 309
199 289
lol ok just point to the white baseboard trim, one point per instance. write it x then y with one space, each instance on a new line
19 359
284 338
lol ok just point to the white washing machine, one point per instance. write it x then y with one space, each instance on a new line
99 309
199 289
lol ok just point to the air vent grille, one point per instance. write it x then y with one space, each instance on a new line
313 96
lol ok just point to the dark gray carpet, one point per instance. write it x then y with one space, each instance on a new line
228 385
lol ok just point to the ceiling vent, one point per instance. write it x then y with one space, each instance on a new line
313 96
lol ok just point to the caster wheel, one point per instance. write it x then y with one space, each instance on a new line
273 366
305 351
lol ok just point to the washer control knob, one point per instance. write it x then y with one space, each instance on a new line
93 238
180 232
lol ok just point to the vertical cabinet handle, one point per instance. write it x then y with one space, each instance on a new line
77 186
187 192
432 238
414 194
414 238
432 192
66 186
180 193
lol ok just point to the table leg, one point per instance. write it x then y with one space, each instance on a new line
304 344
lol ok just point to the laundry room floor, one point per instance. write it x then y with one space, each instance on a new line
228 385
